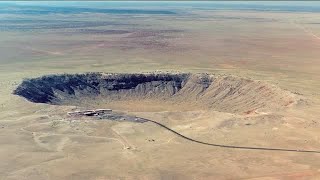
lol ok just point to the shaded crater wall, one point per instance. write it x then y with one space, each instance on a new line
202 91
48 89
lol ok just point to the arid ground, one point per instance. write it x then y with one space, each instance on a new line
274 44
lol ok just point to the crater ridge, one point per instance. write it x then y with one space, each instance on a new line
200 91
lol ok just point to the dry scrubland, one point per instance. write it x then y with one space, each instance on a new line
243 49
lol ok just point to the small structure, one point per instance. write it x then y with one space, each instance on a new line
90 112
103 110
107 114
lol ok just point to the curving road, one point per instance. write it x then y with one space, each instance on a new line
231 146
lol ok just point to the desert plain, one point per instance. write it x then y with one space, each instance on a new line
280 47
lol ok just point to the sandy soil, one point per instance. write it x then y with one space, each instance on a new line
39 141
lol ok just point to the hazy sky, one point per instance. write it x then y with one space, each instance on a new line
291 3
303 6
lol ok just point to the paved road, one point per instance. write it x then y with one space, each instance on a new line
231 146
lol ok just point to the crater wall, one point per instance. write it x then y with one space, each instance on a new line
205 91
